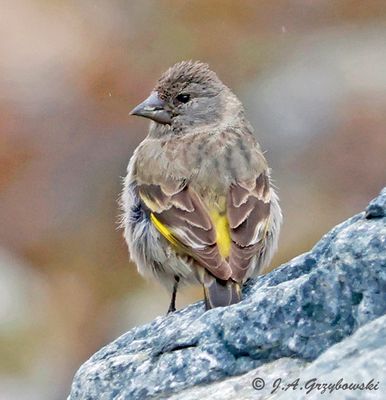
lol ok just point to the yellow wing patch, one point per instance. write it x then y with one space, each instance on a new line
164 231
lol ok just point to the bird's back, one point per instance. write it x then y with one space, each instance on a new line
209 160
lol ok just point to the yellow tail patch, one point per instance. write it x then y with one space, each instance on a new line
223 237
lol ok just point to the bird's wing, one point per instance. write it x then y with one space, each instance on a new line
248 210
180 216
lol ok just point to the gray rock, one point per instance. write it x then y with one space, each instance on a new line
357 359
377 207
297 311
361 358
241 387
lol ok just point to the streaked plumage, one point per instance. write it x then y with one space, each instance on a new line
198 202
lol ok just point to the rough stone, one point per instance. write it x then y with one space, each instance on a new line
360 358
296 312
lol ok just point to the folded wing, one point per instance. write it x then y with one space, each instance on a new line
180 216
248 209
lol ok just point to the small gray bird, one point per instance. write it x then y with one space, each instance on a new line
198 203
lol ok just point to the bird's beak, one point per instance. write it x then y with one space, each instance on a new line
154 108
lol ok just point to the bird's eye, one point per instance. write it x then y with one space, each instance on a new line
183 97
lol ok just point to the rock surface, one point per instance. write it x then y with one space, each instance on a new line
287 319
360 358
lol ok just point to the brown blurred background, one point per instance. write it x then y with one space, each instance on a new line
311 73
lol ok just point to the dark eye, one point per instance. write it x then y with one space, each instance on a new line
183 97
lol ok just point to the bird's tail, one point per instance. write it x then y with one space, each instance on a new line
219 293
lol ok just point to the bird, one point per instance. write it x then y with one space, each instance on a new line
198 203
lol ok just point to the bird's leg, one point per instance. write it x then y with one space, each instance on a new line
172 306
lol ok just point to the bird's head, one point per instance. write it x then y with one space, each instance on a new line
188 95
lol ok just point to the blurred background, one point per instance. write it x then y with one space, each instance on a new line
312 76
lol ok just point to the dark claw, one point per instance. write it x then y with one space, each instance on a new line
171 310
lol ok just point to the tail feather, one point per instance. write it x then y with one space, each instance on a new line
219 293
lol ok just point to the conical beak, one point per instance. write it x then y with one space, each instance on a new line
154 108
